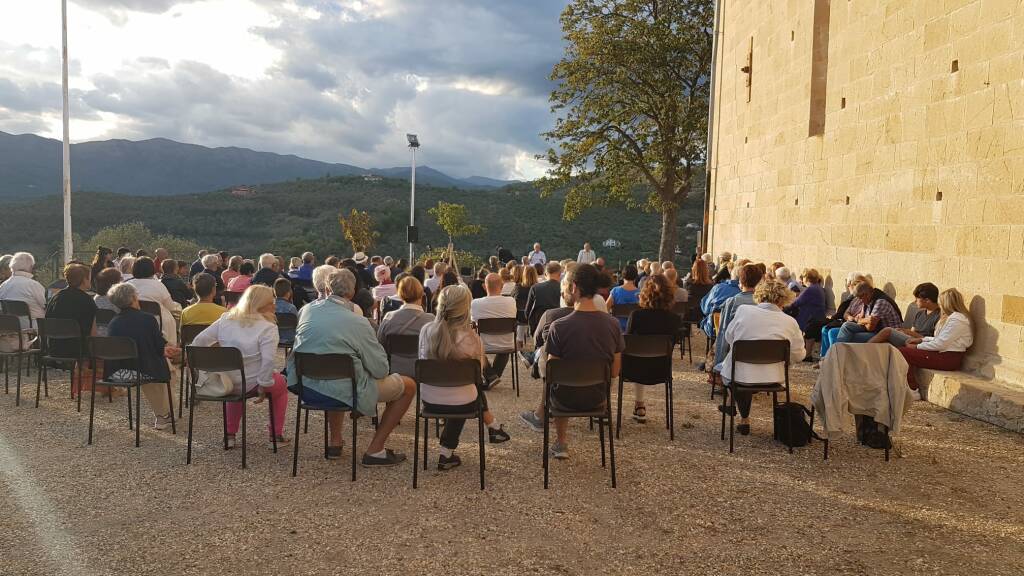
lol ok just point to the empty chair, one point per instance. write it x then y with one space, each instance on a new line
756 352
18 346
68 357
564 375
123 351
215 360
647 360
448 374
324 367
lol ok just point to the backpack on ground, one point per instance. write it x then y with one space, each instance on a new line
793 424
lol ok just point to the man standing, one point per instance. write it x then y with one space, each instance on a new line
545 295
537 256
586 256
494 305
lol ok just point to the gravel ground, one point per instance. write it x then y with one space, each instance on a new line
951 505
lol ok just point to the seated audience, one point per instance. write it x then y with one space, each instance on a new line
283 305
251 327
433 283
269 271
877 311
73 303
125 265
153 353
100 262
234 269
476 287
196 266
750 275
305 270
545 295
627 293
149 288
521 291
211 266
945 350
587 333
451 337
494 305
205 311
679 294
699 282
809 308
5 267
716 298
765 321
104 280
922 323
22 287
654 317
330 326
830 328
507 285
385 287
176 287
782 274
406 321
244 278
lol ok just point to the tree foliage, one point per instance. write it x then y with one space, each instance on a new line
136 235
359 230
454 220
632 103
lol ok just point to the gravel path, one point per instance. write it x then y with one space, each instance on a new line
951 505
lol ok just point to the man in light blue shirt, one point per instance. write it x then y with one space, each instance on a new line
538 256
328 326
750 276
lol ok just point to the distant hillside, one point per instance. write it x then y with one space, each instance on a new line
290 217
30 166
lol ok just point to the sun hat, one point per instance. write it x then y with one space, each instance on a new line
359 257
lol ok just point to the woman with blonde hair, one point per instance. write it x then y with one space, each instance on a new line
507 285
451 337
945 350
251 326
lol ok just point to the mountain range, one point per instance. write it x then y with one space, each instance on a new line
30 167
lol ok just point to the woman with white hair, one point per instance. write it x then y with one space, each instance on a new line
5 267
23 288
125 265
251 326
385 287
451 337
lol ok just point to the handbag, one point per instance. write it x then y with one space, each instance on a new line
214 384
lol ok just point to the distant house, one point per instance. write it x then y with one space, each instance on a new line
243 191
372 178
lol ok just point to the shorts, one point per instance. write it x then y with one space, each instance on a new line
390 388
898 339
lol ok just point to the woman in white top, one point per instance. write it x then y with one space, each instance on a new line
23 288
143 278
251 326
451 337
945 350
763 321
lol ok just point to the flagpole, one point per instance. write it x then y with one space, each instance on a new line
68 246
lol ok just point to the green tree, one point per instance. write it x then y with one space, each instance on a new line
631 104
358 230
454 220
135 235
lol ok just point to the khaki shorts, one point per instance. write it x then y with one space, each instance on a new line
390 388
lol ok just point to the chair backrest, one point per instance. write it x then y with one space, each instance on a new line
449 373
402 344
190 331
623 310
287 321
761 351
104 316
113 348
150 307
578 373
16 308
496 326
58 329
324 366
648 346
10 325
681 308
215 359
232 298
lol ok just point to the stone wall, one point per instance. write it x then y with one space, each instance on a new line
918 172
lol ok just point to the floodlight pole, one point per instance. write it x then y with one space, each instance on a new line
413 145
68 243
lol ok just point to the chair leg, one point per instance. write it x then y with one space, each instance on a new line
39 382
79 391
355 433
244 439
224 422
17 392
138 412
724 408
671 411
295 448
426 437
191 412
547 436
326 440
618 419
131 421
92 410
416 445
732 418
789 422
480 424
668 406
600 437
305 428
7 375
181 390
273 427
611 450
170 403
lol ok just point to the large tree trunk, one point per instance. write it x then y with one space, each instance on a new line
667 248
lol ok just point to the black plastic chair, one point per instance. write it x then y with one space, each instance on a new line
287 321
502 327
186 335
21 310
153 309
447 374
685 339
104 316
120 349
644 349
624 310
213 360
563 373
231 298
324 367
59 329
9 326
759 352
408 346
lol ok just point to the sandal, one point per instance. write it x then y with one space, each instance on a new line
640 413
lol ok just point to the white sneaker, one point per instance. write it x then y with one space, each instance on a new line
162 423
915 395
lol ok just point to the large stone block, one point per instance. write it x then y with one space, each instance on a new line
988 400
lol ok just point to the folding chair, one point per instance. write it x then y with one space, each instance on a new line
324 367
55 329
759 352
186 335
9 326
120 349
563 373
213 360
638 366
447 374
502 327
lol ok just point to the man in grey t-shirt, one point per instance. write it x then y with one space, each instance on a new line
920 323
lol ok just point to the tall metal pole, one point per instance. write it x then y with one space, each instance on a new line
412 205
69 253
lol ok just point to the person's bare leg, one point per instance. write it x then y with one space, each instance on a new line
561 430
881 337
335 422
392 414
488 418
809 346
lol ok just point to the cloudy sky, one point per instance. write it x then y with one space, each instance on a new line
332 80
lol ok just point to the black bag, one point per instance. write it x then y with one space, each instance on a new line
871 433
792 417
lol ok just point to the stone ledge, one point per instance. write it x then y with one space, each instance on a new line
991 401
